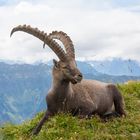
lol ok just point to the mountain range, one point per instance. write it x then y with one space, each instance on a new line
117 67
23 87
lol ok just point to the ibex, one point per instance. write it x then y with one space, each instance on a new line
70 92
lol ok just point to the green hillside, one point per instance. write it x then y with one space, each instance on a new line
66 127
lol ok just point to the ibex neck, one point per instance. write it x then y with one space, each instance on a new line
62 90
61 85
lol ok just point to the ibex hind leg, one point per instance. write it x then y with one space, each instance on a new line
118 101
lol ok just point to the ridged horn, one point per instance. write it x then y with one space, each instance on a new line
67 42
43 37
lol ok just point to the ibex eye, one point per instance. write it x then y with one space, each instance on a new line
65 67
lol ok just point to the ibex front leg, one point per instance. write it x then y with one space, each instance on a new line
43 120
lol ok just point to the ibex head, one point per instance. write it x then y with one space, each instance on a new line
65 69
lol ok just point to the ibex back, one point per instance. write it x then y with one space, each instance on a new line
70 92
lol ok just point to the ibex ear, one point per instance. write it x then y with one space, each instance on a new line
56 64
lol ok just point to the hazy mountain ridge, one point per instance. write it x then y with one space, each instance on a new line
117 66
23 87
22 91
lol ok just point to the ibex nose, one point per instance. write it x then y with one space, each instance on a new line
80 75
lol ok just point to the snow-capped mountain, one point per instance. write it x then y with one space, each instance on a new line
117 67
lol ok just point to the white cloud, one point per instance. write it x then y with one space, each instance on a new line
97 31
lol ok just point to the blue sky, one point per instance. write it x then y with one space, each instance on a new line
100 29
114 3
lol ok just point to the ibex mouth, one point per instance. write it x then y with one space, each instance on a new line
76 80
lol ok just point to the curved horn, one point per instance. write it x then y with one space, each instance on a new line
43 37
67 42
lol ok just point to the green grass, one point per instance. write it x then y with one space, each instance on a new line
66 127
